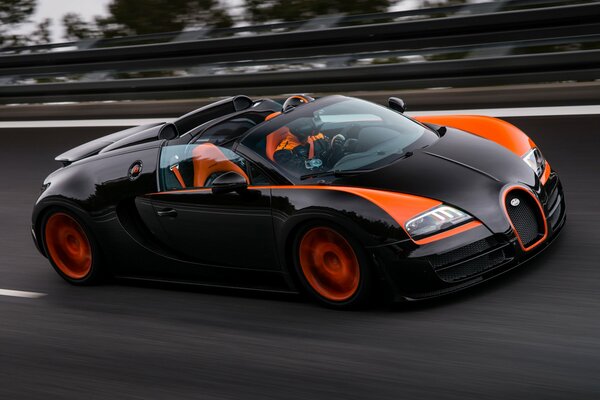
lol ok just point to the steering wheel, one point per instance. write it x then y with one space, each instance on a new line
343 135
341 139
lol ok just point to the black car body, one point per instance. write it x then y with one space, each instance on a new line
136 196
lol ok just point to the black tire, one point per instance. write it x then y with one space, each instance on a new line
319 277
69 249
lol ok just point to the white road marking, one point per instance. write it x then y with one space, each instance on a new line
492 112
20 293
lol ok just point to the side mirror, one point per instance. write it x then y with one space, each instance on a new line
229 182
168 132
396 104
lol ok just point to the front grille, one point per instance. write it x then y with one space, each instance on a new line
472 267
462 253
525 216
469 260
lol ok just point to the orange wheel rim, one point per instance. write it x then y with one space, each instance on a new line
329 264
68 246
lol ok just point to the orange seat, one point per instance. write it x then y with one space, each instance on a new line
274 139
208 159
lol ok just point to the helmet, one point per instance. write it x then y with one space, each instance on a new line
295 101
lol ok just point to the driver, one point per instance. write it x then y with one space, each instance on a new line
301 146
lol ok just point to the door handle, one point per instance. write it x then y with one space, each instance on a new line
167 212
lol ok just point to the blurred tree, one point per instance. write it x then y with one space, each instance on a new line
138 17
293 10
152 16
76 28
41 33
13 12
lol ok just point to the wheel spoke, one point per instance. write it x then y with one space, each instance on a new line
329 264
68 246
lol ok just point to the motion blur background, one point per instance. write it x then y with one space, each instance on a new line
73 71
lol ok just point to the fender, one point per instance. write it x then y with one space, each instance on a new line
497 130
494 129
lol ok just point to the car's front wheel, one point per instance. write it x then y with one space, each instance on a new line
70 248
332 266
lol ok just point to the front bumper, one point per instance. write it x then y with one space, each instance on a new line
474 257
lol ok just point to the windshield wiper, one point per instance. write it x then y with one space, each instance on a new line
336 173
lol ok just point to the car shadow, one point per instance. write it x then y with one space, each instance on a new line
212 290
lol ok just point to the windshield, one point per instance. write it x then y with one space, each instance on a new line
336 134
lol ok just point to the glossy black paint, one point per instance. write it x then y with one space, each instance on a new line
452 170
242 238
126 137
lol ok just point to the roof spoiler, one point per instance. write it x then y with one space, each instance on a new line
209 112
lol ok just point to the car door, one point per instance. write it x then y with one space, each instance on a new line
229 228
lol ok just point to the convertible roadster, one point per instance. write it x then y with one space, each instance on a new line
337 197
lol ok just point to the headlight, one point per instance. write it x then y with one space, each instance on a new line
535 160
436 220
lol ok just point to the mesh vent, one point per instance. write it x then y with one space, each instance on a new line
525 216
473 267
451 257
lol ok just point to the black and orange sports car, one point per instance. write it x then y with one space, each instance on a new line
337 197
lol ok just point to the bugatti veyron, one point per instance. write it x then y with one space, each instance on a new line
337 197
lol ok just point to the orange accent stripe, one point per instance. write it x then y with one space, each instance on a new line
516 187
401 207
546 174
448 233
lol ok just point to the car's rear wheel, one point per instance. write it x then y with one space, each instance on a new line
70 248
332 266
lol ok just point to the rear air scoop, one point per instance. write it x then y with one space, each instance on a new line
96 146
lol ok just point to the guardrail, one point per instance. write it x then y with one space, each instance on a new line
560 43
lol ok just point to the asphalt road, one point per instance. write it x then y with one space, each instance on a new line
532 334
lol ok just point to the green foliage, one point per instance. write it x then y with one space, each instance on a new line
41 33
294 10
153 16
138 17
13 12
76 28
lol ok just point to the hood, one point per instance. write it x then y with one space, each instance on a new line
124 138
460 169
